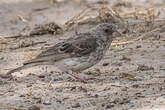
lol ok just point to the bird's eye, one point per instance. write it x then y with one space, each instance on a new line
106 30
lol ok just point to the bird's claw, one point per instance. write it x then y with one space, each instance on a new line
81 80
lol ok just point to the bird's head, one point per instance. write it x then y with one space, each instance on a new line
108 29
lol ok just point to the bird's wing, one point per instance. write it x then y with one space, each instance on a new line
82 45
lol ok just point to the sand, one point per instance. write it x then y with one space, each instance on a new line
130 77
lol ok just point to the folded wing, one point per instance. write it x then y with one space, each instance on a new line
82 45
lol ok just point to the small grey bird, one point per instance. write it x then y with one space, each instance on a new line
77 53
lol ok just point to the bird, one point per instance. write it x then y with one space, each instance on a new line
77 53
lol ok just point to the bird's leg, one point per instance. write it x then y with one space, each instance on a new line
76 77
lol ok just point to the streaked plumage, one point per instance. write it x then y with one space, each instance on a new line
76 53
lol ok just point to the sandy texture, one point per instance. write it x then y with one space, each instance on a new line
130 77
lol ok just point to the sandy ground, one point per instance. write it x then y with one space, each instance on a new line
130 77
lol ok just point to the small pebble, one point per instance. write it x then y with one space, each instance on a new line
105 64
109 106
28 85
96 95
41 76
125 58
1 58
138 46
34 107
22 95
144 68
76 105
46 102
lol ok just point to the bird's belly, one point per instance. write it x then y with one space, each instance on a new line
75 64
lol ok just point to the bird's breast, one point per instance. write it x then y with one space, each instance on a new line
75 63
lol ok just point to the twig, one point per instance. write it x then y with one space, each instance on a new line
70 21
24 45
17 36
40 9
12 107
122 43
27 45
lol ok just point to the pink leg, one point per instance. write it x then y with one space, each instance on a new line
77 78
84 80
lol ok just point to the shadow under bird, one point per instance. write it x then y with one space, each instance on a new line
77 53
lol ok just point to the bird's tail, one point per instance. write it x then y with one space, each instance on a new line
15 70
28 65
8 74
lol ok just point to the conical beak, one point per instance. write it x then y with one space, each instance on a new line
116 34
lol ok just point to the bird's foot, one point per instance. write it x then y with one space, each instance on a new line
77 78
83 80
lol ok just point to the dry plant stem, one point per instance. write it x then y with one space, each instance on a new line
28 45
50 83
142 37
23 46
12 107
122 43
146 35
104 14
72 19
16 36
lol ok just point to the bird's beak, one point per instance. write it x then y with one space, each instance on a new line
116 34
